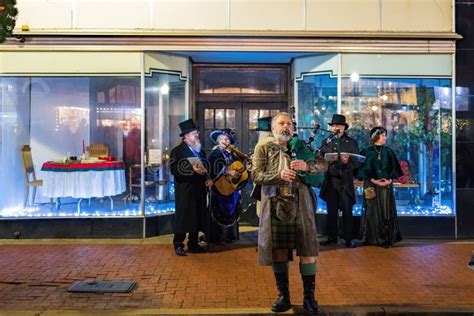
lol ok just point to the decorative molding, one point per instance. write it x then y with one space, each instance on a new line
254 44
166 71
236 33
316 73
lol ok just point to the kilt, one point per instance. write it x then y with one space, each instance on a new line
283 233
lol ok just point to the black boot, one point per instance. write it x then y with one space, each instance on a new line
282 303
309 303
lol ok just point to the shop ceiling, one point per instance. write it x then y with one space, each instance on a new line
243 57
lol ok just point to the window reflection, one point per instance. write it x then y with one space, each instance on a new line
220 118
417 115
230 118
59 118
208 118
241 81
317 102
165 108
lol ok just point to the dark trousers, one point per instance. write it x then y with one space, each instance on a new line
338 200
178 239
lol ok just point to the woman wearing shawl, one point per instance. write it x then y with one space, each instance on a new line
379 222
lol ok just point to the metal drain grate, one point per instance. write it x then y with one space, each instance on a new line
103 286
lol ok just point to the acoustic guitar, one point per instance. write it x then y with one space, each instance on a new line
226 184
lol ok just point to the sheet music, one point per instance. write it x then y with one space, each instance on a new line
195 161
334 156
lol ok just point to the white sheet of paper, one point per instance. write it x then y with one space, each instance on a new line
333 156
154 156
195 161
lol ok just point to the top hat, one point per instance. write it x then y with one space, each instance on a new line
338 119
227 132
264 124
187 127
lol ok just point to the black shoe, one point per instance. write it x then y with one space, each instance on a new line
180 251
309 286
350 244
387 245
328 242
282 303
197 249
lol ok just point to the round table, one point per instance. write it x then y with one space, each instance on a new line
83 180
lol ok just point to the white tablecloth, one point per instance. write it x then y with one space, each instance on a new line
83 184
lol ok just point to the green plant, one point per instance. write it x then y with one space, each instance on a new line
8 13
359 134
426 130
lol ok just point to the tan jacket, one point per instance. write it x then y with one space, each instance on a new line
268 160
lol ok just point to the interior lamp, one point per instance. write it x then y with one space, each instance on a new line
165 89
355 77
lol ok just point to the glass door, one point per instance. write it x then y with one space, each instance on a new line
240 117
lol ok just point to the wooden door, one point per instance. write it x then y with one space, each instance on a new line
241 117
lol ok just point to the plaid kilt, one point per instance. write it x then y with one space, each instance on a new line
283 233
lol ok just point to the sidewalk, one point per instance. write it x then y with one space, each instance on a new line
414 277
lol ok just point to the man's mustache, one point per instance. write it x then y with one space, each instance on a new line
286 132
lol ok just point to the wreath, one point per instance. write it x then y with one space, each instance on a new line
8 13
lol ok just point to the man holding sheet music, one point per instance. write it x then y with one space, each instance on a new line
188 165
338 187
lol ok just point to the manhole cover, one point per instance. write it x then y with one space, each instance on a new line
103 286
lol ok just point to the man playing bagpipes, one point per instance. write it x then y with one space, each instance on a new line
287 220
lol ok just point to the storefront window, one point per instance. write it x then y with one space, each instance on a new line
317 102
73 135
417 115
165 107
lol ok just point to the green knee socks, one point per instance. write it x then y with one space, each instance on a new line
308 268
280 267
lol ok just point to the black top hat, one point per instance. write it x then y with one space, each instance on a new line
338 119
227 132
264 124
187 127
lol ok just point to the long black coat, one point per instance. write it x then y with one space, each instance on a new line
337 168
191 214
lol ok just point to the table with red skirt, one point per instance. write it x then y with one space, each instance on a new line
81 180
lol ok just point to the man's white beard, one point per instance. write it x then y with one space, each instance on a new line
282 137
196 146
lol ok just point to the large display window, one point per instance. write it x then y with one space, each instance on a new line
404 93
165 107
65 143
417 116
90 146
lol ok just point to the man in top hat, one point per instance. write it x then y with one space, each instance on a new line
189 167
338 186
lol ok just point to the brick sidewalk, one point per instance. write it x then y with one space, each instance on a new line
411 277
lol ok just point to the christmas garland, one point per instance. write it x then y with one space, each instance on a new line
8 13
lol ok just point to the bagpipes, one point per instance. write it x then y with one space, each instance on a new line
302 150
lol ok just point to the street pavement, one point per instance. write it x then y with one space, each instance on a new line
415 277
